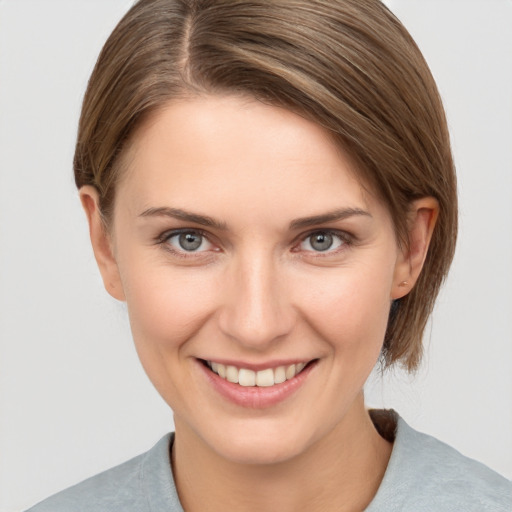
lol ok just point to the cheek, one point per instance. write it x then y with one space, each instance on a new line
350 309
167 306
166 310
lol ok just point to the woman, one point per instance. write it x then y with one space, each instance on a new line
270 188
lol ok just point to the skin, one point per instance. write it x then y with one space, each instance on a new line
257 292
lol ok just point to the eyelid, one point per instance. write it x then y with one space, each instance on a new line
164 237
169 233
345 237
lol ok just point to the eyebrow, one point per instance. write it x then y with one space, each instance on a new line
331 216
205 220
177 213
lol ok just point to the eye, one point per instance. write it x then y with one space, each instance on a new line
187 241
322 241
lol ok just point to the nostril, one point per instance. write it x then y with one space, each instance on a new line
256 329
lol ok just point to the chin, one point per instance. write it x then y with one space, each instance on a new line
259 451
259 444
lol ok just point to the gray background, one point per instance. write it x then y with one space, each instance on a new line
73 398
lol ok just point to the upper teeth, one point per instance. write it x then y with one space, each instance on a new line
264 378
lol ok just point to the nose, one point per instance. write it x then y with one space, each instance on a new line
257 310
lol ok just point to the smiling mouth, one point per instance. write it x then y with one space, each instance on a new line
263 378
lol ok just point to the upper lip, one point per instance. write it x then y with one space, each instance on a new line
259 366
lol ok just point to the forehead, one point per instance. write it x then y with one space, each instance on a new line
223 149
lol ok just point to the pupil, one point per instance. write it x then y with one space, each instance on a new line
190 241
321 241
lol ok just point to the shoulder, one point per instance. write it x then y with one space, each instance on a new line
426 474
141 484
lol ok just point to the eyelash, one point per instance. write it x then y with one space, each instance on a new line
346 240
164 239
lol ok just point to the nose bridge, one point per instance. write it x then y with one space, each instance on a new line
257 309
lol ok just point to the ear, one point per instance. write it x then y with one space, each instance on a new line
101 243
422 219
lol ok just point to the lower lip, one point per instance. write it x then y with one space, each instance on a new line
256 397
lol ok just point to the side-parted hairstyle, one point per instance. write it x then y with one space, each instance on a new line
348 65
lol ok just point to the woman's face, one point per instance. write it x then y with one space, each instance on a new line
245 246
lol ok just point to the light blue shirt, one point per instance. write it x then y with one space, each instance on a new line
423 475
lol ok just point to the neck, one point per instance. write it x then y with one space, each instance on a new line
340 472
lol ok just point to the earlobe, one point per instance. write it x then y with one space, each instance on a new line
101 243
422 220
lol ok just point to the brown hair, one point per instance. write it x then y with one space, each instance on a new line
348 65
